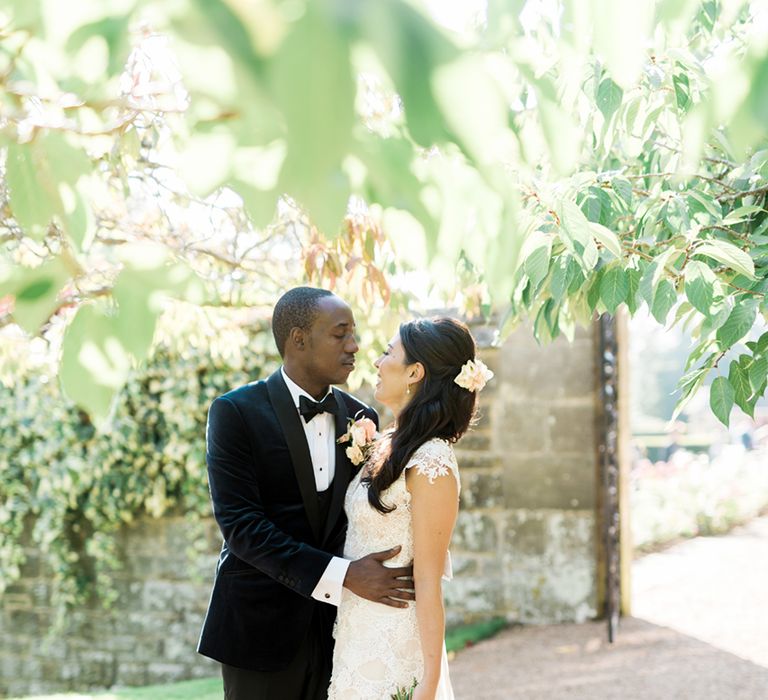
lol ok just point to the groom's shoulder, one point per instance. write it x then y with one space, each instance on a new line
355 406
255 391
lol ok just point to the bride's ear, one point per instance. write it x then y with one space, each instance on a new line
416 372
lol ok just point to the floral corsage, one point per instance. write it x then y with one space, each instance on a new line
361 436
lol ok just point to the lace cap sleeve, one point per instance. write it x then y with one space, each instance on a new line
433 459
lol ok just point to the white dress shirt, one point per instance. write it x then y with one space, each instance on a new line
321 440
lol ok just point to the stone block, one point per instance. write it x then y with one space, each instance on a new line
545 373
523 429
572 429
131 674
481 489
165 672
550 481
475 439
474 532
477 460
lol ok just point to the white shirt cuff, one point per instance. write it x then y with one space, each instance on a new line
328 588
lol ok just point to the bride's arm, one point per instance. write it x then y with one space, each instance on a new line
434 506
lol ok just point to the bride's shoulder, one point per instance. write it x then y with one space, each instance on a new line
434 458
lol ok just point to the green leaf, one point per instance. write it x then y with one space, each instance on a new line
608 238
721 397
729 255
614 287
682 91
664 299
633 285
535 254
562 275
391 179
32 191
316 98
741 214
609 97
758 371
623 188
36 292
410 47
738 324
115 32
738 378
700 286
94 361
473 106
574 223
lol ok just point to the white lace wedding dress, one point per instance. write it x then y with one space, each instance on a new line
378 649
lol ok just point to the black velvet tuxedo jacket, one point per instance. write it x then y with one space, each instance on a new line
276 545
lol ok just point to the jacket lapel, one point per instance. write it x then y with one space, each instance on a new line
290 422
342 468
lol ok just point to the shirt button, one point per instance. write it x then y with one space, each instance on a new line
327 595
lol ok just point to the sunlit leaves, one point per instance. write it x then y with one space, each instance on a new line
721 397
41 178
737 325
729 255
614 287
316 99
700 286
609 97
35 292
535 254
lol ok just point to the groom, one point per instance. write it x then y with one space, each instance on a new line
277 479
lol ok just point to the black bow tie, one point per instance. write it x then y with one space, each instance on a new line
309 408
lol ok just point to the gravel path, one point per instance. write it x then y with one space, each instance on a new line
699 632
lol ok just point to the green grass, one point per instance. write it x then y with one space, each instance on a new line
203 689
462 636
456 639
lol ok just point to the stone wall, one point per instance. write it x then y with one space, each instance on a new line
524 546
148 637
525 542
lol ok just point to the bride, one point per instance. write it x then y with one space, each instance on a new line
407 493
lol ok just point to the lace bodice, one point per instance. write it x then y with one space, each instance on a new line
373 531
377 647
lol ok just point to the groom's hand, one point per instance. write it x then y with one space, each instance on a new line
370 579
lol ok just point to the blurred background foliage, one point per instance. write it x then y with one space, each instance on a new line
169 167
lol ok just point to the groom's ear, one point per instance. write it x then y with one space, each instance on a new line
297 339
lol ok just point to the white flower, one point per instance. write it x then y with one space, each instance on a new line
474 375
355 454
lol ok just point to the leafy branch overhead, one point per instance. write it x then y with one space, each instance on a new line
577 169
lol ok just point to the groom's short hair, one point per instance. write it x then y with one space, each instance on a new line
297 308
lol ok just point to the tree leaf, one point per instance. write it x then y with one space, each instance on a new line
614 287
729 255
721 396
535 254
737 325
36 292
94 362
609 97
664 299
623 188
700 286
608 238
682 91
738 378
312 171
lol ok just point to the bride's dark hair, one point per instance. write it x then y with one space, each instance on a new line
440 408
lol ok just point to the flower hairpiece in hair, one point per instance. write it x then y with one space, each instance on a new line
474 375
